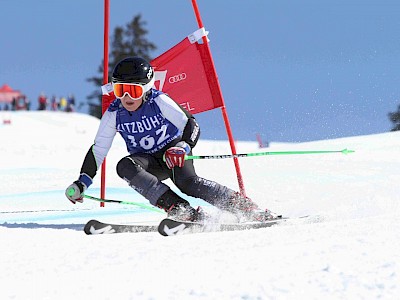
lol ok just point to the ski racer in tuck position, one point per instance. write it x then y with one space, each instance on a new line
158 134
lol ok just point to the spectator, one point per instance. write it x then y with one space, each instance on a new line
20 103
13 103
28 103
54 103
63 103
42 101
70 103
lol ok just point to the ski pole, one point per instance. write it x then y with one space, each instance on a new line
71 191
142 205
344 151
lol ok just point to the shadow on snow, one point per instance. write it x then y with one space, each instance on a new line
77 227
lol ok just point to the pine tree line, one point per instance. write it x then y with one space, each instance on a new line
394 117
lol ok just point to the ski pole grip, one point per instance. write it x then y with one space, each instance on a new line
71 191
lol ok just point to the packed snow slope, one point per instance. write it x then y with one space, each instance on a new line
349 250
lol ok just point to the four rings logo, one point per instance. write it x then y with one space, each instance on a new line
177 78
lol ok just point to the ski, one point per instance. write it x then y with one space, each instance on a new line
97 227
169 227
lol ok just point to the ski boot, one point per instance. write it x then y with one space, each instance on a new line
179 209
246 210
264 216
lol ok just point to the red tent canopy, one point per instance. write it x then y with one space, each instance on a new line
7 93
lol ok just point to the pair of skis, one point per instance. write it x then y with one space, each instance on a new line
169 227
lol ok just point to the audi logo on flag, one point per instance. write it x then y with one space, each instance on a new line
177 78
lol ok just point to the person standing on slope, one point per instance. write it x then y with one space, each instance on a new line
158 134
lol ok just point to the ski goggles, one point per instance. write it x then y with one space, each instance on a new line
134 90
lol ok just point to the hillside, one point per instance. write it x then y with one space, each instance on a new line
348 251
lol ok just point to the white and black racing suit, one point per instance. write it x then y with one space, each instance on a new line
158 124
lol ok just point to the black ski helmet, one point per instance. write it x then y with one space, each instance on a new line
133 70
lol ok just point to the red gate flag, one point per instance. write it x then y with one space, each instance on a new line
186 74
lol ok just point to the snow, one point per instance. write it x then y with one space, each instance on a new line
349 250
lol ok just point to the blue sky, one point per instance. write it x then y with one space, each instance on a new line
291 71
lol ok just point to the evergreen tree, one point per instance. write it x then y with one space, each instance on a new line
395 119
128 41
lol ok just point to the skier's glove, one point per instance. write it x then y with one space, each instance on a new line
74 192
175 156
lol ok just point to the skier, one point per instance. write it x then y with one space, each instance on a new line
158 134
